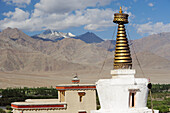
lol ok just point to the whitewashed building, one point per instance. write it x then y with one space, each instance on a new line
123 93
72 98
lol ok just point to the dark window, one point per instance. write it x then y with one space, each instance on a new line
81 98
133 99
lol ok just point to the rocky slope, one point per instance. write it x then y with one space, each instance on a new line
158 44
19 52
89 37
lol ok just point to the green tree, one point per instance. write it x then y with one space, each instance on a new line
2 111
8 107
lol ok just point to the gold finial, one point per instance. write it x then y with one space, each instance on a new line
120 10
122 59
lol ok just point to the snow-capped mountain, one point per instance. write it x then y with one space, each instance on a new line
52 35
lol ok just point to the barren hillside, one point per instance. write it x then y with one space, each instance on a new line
25 61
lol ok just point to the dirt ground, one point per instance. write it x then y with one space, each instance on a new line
44 79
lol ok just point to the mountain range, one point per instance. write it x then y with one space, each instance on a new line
54 36
24 54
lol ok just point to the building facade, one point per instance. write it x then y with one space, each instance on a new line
72 98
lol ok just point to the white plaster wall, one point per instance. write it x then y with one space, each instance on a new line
142 95
133 110
41 100
114 93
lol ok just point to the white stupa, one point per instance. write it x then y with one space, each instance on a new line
123 93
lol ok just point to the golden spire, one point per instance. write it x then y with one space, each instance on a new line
122 59
120 10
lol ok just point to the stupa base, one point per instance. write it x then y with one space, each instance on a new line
131 110
123 93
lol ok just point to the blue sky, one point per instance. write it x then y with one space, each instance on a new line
79 16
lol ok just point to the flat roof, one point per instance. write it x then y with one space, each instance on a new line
41 105
76 87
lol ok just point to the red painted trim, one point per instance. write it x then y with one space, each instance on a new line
75 80
82 112
37 106
74 87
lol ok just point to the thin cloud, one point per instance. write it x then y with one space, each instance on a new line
18 3
54 16
66 6
151 4
150 28
92 19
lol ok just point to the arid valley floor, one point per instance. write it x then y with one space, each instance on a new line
14 79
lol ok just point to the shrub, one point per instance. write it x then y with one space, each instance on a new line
2 111
8 107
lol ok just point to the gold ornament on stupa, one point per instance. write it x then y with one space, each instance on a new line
122 59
